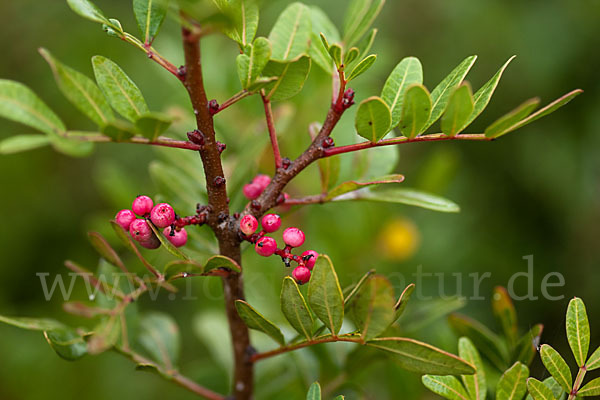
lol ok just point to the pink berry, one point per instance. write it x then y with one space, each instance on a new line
142 205
125 218
140 230
265 246
252 190
152 243
293 237
271 222
162 215
301 274
310 262
178 238
248 224
262 181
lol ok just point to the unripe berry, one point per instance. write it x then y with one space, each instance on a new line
125 218
142 205
301 274
152 243
293 237
265 246
178 238
162 215
271 222
248 224
310 258
252 190
262 180
140 230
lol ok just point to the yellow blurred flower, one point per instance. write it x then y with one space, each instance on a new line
399 239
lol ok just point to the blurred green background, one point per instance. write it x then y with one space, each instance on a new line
535 192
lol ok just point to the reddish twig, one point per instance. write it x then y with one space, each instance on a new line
271 128
332 151
232 100
160 141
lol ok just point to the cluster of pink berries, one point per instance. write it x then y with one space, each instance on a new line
161 215
267 246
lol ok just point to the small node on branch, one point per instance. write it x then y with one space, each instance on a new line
222 217
348 99
327 142
255 205
213 107
221 147
196 137
219 181
181 71
285 163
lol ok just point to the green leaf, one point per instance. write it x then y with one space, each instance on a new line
458 111
557 367
321 24
373 119
250 66
149 15
361 67
550 108
103 248
411 197
415 110
295 309
441 93
402 302
290 36
160 337
591 388
32 324
329 170
482 96
359 18
165 242
335 52
115 30
89 10
486 341
526 348
366 43
218 261
290 78
18 103
408 72
314 392
578 330
182 269
538 390
421 357
325 295
351 55
153 124
476 384
446 386
119 130
594 361
80 90
19 143
122 93
372 309
505 313
513 383
353 290
254 320
505 123
67 343
351 186
244 15
105 335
